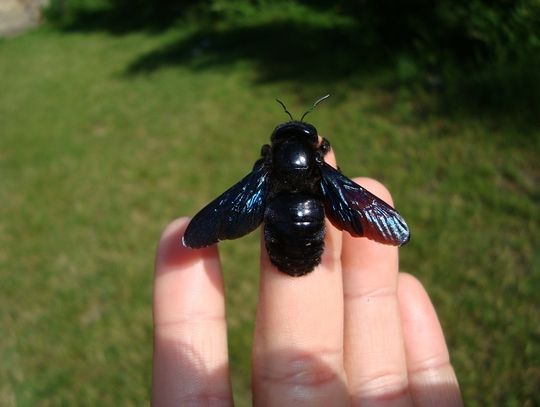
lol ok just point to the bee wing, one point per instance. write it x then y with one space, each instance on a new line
356 210
235 213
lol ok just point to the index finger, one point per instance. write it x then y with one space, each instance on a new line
190 363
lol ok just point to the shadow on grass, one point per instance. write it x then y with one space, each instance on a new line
279 50
371 47
117 17
312 56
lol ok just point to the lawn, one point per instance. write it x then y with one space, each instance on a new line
105 137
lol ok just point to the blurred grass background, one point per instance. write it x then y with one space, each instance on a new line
117 116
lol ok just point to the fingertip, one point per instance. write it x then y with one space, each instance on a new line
182 274
371 265
376 188
418 311
171 237
409 285
173 254
177 226
424 338
181 271
431 375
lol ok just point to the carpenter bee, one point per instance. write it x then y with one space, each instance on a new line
291 189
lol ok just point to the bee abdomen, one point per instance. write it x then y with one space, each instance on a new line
294 232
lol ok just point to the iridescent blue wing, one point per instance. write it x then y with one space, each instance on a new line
356 210
235 213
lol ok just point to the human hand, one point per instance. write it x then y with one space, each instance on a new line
354 331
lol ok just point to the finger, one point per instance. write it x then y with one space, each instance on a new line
298 344
432 380
190 344
374 351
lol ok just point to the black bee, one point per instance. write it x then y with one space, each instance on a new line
291 189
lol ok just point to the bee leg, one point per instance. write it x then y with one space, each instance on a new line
266 156
324 147
265 150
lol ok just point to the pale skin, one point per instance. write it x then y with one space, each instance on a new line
355 331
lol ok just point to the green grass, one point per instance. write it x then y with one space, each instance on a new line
96 158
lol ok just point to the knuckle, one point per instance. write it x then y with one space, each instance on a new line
302 369
383 386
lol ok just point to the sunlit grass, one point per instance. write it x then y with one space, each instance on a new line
95 162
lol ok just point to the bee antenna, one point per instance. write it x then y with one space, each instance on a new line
284 108
314 106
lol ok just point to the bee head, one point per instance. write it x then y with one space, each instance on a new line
294 128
